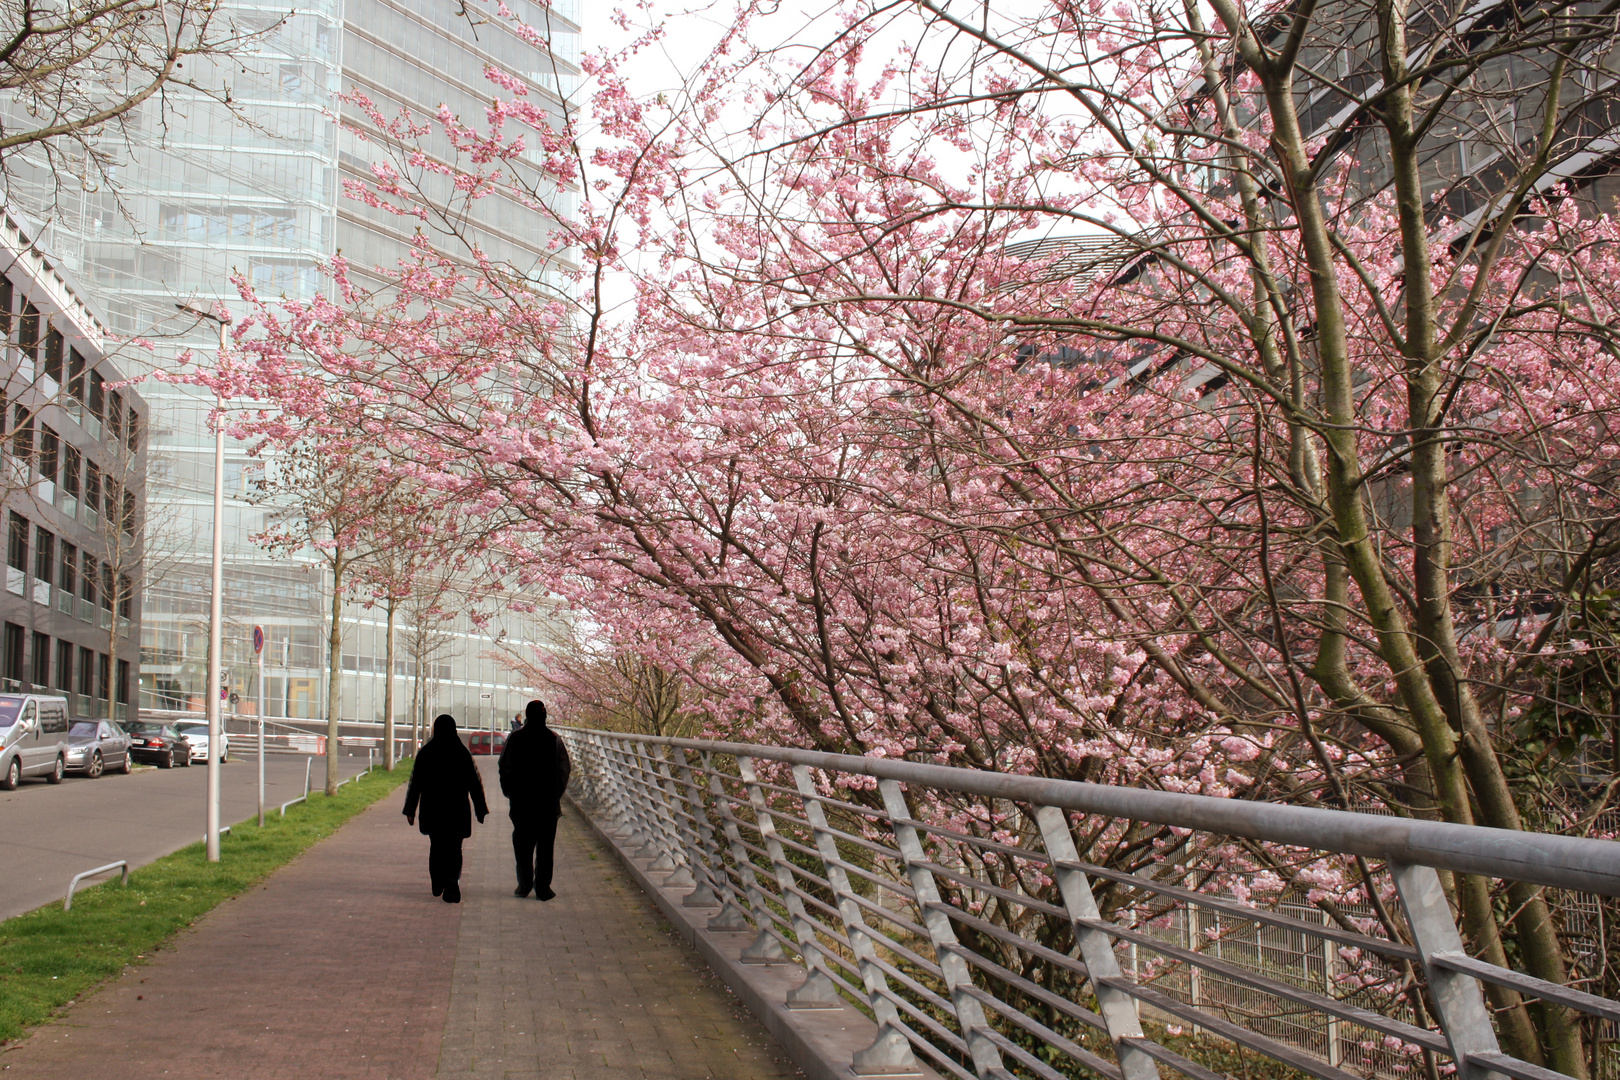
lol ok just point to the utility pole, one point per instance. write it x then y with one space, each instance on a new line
215 607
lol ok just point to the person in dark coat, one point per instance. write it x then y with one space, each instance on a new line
534 772
445 791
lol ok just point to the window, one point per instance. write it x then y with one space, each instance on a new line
68 581
17 543
64 666
113 502
41 674
132 432
6 300
292 77
87 671
14 655
28 331
44 556
115 417
22 435
75 375
87 576
50 453
98 395
53 354
107 586
71 460
92 485
123 682
103 676
126 596
129 512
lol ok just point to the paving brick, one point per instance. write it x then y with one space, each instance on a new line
342 965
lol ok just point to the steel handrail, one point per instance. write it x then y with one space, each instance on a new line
1565 862
743 844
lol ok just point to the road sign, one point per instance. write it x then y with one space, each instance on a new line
258 639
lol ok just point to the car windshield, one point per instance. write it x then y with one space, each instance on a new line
9 708
150 729
83 727
194 729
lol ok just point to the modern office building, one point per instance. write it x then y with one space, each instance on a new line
259 192
72 492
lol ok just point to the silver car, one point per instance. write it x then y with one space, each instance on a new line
94 746
33 738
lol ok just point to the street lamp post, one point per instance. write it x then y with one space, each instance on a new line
215 608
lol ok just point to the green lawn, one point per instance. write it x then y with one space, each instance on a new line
49 956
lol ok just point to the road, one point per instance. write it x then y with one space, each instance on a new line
49 833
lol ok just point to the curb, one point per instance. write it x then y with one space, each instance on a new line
821 1042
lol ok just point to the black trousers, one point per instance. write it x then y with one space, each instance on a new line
444 859
533 836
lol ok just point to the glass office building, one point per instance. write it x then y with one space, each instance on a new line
206 195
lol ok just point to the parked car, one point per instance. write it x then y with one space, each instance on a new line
161 744
198 734
33 738
94 746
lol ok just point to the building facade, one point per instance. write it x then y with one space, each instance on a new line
257 195
73 477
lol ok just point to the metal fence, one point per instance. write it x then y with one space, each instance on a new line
1002 926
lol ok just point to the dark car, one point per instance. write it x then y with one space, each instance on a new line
161 744
95 746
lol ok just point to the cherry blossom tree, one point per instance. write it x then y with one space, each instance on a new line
1090 391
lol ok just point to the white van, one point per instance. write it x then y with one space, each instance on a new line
33 738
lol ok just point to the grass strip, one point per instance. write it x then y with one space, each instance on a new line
48 957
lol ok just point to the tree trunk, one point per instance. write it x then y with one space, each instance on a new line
388 694
334 671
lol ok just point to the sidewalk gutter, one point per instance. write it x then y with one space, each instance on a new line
822 1042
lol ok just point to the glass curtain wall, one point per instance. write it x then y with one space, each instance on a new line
207 195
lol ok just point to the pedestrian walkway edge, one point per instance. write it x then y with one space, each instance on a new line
821 1042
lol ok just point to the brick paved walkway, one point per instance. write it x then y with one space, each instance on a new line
342 965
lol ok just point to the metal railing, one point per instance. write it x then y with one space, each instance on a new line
998 925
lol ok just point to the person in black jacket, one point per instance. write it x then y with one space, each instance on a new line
444 780
534 772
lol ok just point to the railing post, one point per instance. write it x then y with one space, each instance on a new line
958 976
1118 1008
1459 1003
890 1053
680 835
817 990
764 947
659 843
706 863
638 836
731 919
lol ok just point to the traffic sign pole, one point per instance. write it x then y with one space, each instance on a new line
258 652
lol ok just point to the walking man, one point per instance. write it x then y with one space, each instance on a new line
446 791
534 772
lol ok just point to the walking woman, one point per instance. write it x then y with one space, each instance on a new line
443 779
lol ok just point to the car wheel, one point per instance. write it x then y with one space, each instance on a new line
185 760
96 766
223 758
13 776
129 764
168 761
56 774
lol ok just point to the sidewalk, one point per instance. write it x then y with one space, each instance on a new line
343 965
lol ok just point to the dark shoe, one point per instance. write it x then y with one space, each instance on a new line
452 894
545 894
521 891
438 890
